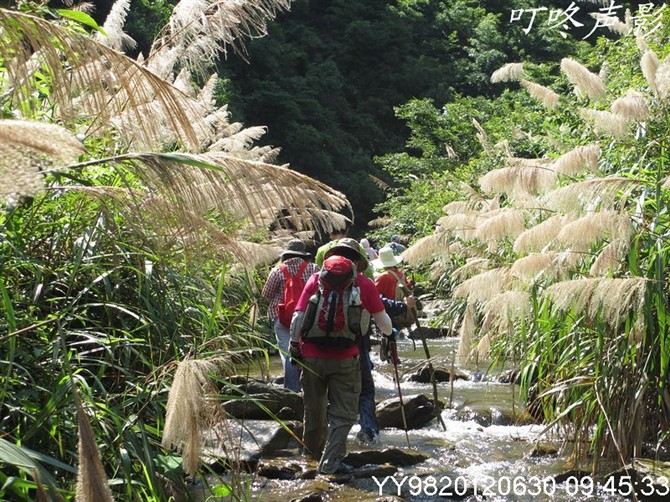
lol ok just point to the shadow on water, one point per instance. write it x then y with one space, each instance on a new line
485 453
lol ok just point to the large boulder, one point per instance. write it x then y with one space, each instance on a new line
256 400
419 411
442 374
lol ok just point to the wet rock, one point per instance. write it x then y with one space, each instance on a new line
430 333
648 477
380 471
442 374
244 442
259 401
392 456
278 470
419 411
487 417
544 450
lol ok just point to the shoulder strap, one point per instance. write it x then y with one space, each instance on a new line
287 274
284 270
401 283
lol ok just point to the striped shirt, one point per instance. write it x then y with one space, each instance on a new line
274 286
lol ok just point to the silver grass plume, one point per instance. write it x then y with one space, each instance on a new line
519 181
540 236
547 265
190 408
650 64
609 299
427 248
610 258
612 23
198 30
472 267
632 106
92 484
482 136
484 286
546 96
507 223
26 150
458 207
577 160
580 234
116 38
206 95
587 82
466 334
508 307
482 351
663 79
460 225
598 192
606 122
510 72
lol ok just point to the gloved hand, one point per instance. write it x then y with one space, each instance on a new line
384 346
294 350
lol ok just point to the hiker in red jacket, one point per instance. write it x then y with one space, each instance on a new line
294 269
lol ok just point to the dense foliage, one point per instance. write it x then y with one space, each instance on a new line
326 80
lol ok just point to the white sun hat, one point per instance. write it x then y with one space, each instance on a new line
386 258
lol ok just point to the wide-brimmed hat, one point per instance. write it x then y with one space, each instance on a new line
344 247
386 258
295 247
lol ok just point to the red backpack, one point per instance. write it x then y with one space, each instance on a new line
333 315
293 286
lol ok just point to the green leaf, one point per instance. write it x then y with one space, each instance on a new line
81 17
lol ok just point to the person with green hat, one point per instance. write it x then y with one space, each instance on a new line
331 379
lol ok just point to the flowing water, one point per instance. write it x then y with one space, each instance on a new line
482 454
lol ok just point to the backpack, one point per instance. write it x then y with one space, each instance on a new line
406 319
293 286
334 314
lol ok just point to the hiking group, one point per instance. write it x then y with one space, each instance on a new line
323 314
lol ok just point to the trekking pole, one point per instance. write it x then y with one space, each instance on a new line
393 352
431 370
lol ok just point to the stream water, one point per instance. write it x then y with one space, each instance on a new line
482 454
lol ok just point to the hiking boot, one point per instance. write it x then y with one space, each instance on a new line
367 437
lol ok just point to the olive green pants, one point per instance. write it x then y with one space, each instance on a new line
331 388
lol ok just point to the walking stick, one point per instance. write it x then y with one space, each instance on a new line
415 316
393 353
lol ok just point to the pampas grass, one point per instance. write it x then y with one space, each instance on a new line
460 225
484 286
26 150
466 334
546 96
633 106
472 267
539 236
508 306
649 64
609 299
587 230
598 192
507 223
586 82
519 181
606 122
536 266
577 160
508 73
610 258
663 79
114 37
92 484
189 410
612 23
